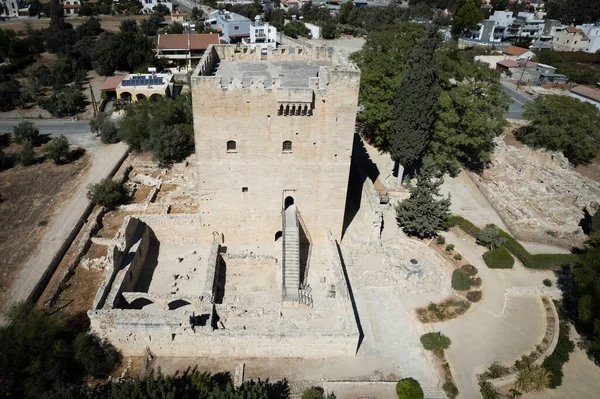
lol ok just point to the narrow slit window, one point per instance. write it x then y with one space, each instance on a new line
231 146
287 146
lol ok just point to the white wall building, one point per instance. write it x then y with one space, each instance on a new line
593 33
502 18
262 35
12 6
148 5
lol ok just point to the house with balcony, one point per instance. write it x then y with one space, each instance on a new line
262 35
570 38
183 50
232 27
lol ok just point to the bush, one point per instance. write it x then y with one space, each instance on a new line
109 133
460 280
409 388
450 389
474 296
26 131
97 121
440 240
435 342
469 269
554 363
108 193
547 282
475 281
316 393
458 256
449 247
498 258
463 224
488 391
490 237
58 149
27 155
67 101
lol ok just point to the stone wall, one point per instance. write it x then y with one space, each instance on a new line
242 191
537 195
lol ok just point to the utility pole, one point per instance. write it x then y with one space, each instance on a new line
94 105
522 73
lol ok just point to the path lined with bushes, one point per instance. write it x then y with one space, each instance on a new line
501 326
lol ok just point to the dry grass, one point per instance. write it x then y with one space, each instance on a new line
96 251
31 196
112 222
109 23
449 308
141 193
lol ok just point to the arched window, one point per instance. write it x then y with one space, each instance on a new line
287 146
231 146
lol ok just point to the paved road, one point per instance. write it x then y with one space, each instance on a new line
516 109
78 132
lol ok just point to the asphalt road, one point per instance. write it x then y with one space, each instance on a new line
77 132
515 111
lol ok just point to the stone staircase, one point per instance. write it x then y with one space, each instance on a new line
291 255
433 393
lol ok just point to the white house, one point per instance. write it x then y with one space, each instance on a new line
502 18
10 8
593 33
148 5
262 35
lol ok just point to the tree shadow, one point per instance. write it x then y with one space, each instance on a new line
221 279
75 154
143 283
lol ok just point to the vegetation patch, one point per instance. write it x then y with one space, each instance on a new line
537 261
474 296
499 258
445 310
460 280
409 388
554 363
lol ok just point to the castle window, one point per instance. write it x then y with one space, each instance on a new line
231 146
287 146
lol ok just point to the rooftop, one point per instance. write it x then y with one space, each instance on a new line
514 50
291 74
186 41
112 82
147 80
588 92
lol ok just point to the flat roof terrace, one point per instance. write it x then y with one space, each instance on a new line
290 73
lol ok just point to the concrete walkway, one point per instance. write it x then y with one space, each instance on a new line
507 323
103 159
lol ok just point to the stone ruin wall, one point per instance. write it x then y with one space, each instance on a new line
536 194
170 333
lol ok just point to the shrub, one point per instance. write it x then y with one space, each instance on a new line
449 247
475 281
547 282
533 378
58 149
26 131
474 296
435 342
108 193
97 121
537 261
496 370
441 240
109 133
409 388
490 237
488 391
460 280
498 258
450 389
67 101
469 269
554 363
316 393
458 256
27 155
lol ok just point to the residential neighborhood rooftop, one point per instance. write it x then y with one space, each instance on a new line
586 91
186 41
514 50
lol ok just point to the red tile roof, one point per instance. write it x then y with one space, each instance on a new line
514 50
572 29
184 41
508 64
112 82
588 92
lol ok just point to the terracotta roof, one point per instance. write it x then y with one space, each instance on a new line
180 41
514 50
508 64
572 29
531 64
112 82
588 92
71 6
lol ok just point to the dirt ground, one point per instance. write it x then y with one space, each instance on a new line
30 197
110 23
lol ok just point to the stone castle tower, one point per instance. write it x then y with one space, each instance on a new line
273 128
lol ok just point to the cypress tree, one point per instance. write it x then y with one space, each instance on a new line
423 214
416 102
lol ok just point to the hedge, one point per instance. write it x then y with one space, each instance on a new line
554 363
460 280
537 261
498 258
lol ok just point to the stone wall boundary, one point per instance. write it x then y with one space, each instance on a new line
43 282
